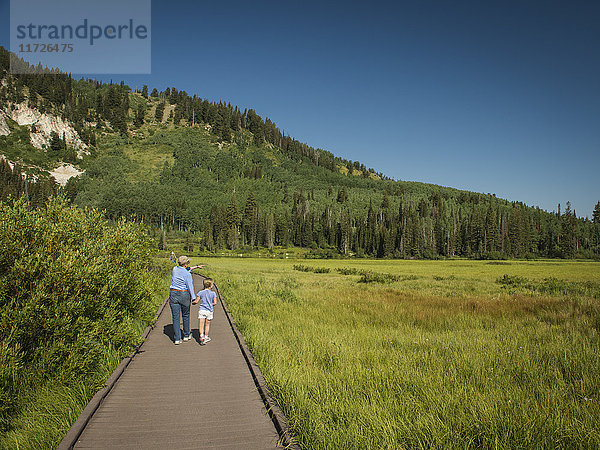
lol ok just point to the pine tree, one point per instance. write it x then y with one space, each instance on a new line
385 203
225 134
596 214
160 111
250 220
269 227
232 220
258 136
218 225
209 242
56 145
306 232
138 118
71 154
568 235
162 241
345 232
188 243
370 245
491 232
71 189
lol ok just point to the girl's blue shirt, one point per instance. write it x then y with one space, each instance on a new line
206 299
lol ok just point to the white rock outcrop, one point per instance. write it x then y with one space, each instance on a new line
63 173
10 163
42 127
4 130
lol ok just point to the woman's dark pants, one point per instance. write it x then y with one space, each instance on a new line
180 302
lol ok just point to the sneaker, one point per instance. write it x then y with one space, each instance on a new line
207 339
187 338
202 341
177 342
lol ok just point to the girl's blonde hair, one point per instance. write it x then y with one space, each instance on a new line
208 283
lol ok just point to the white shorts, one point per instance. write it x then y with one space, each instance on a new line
205 314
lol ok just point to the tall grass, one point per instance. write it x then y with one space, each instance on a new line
447 359
553 286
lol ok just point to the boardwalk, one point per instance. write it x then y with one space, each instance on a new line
185 396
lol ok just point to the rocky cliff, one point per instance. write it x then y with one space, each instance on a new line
41 127
4 130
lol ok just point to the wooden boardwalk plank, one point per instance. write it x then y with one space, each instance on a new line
184 396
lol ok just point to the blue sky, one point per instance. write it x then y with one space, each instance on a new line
498 97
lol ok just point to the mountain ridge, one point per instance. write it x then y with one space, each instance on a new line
248 184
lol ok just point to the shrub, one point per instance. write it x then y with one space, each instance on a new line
71 287
301 268
430 254
511 280
493 256
552 286
376 277
349 271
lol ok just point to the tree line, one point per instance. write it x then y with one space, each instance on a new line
430 227
233 199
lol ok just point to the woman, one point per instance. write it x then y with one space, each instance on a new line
180 297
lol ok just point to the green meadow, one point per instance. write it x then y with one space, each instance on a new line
424 354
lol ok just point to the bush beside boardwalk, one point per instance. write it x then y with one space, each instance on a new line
75 293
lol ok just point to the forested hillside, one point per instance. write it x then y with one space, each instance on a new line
233 179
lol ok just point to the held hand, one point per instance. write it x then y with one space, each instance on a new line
196 300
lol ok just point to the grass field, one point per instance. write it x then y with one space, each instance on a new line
421 354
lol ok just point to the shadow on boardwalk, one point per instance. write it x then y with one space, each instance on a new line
184 396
